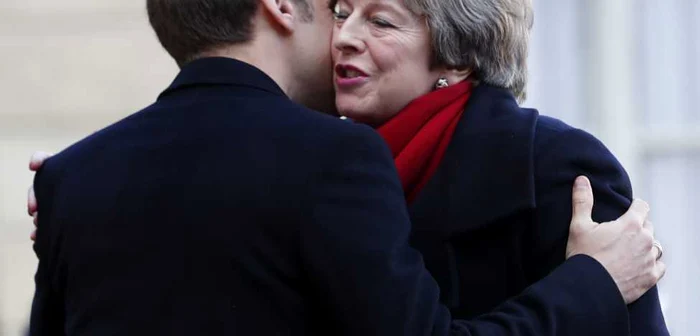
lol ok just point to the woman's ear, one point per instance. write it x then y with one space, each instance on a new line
456 75
282 14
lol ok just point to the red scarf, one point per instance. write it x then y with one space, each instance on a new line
419 134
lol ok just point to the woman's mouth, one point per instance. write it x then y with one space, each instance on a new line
348 76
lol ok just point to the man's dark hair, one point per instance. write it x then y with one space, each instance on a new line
188 28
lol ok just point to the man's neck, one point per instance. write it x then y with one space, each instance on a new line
261 58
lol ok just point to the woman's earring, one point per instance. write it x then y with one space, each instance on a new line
442 83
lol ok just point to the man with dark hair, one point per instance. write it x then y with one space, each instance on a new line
189 30
227 208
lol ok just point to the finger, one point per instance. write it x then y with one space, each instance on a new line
648 225
32 235
582 202
38 159
660 270
636 215
31 201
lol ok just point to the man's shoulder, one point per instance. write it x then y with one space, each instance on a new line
273 114
320 130
301 117
253 123
95 141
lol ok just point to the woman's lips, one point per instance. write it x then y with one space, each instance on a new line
349 82
348 76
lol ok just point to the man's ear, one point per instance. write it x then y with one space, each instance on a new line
282 13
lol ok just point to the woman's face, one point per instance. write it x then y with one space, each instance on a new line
381 55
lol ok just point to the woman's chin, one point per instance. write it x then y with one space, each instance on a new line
355 110
363 118
351 113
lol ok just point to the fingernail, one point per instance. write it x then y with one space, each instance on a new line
581 182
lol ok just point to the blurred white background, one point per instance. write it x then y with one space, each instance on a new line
625 70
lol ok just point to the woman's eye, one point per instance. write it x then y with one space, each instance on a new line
382 23
340 15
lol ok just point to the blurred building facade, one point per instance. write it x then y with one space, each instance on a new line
69 68
625 70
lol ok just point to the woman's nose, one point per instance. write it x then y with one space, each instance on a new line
348 38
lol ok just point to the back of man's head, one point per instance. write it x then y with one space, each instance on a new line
189 28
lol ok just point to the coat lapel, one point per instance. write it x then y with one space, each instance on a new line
487 171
